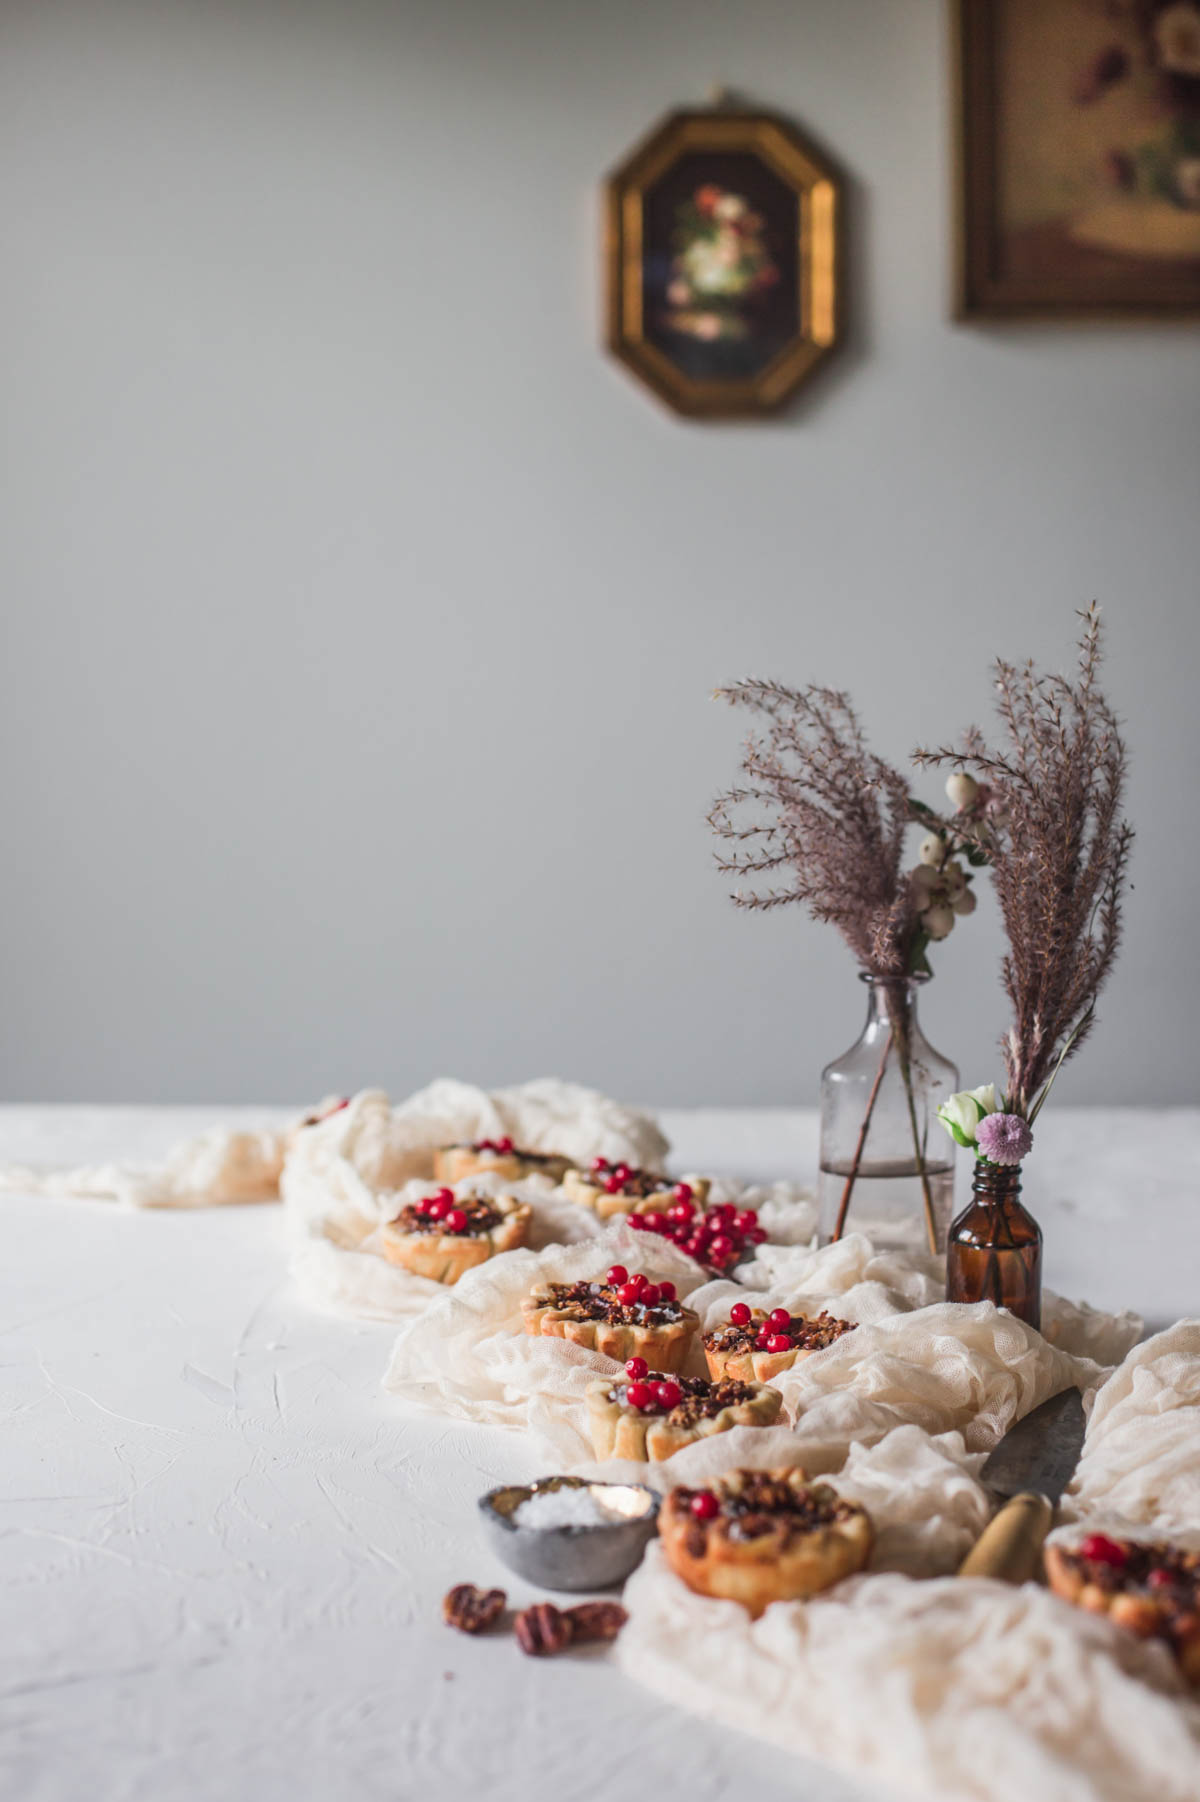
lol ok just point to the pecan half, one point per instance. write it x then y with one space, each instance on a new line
473 1610
542 1629
596 1620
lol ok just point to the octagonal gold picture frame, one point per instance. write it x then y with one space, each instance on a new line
815 301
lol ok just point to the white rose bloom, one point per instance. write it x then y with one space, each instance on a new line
932 851
938 921
962 789
963 1112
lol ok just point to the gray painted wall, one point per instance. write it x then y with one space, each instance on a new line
360 618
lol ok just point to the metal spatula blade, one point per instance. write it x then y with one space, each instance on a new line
1032 1465
1041 1451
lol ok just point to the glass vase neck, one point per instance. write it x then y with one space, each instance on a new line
890 1000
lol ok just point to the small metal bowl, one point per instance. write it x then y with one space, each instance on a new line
571 1557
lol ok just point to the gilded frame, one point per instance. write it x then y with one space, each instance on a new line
982 291
818 190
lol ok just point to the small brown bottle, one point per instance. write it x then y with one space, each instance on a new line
994 1249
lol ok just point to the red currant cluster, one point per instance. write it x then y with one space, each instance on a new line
441 1207
612 1178
774 1333
717 1238
503 1146
638 1289
658 1396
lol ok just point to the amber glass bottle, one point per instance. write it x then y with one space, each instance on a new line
994 1251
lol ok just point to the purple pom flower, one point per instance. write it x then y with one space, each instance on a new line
1004 1138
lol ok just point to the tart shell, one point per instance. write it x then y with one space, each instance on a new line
1139 1614
454 1163
622 1432
772 1567
664 1344
445 1257
578 1186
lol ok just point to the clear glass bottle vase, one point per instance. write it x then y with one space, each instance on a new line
886 1167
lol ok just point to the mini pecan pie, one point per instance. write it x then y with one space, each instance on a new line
442 1236
754 1346
763 1536
650 1415
610 1189
496 1157
623 1317
1154 1590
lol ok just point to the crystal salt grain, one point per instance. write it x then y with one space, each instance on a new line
564 1508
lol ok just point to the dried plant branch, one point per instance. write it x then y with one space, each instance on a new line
1053 831
830 812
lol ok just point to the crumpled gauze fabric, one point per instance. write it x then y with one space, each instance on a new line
223 1166
959 1688
357 1168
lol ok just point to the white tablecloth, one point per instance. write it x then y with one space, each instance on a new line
222 1549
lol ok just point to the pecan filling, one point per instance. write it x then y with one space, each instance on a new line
758 1504
1166 1575
504 1148
801 1333
702 1400
478 1217
599 1301
621 1179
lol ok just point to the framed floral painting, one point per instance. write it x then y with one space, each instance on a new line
1079 158
723 264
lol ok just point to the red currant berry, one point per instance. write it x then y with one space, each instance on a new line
739 1314
721 1249
456 1221
684 1191
655 1223
612 1185
779 1320
436 1207
617 1273
704 1505
649 1296
1160 1579
778 1342
762 1341
757 1235
636 1369
1103 1550
637 1223
639 1395
668 1394
694 1247
504 1144
726 1211
666 1292
746 1220
639 1279
624 1172
627 1294
598 1164
681 1210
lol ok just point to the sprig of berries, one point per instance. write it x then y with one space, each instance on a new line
718 1238
440 1207
635 1289
649 1392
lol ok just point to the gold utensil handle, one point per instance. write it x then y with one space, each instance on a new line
1009 1545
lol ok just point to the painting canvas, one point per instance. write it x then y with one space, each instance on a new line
1079 156
722 261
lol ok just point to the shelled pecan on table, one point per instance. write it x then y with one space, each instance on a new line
473 1610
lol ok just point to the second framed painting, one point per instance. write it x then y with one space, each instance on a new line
724 283
1079 158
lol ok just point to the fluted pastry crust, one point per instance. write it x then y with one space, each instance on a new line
445 1257
1154 1592
455 1163
598 1322
620 1431
729 1351
776 1538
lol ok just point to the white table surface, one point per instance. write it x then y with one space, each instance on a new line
223 1550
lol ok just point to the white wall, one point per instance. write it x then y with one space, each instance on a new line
360 618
